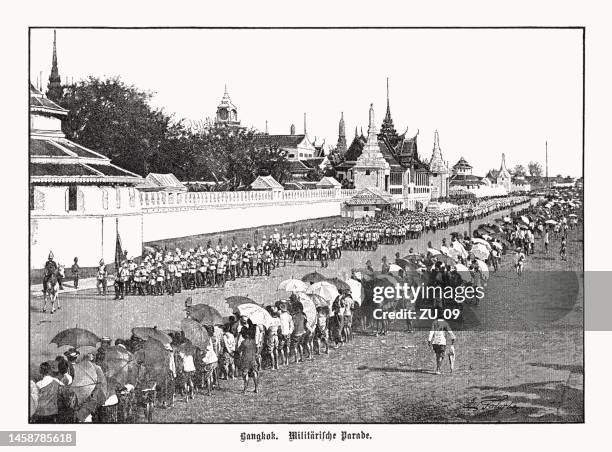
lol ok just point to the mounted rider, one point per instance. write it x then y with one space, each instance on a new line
51 268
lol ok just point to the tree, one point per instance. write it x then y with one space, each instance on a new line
116 120
315 174
535 169
519 170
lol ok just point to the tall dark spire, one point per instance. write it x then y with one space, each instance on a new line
54 88
341 146
387 129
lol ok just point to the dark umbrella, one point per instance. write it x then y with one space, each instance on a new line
154 357
406 264
119 366
206 315
146 332
446 260
340 285
196 333
313 277
236 301
76 337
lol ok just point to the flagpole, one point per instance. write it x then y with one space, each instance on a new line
547 182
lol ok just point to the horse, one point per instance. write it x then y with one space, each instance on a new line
50 290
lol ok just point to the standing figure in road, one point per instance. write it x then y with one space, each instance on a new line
437 340
101 278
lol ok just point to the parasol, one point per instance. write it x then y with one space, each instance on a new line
119 366
145 333
155 358
460 248
257 314
446 260
550 222
86 377
394 268
319 301
75 337
313 277
573 215
480 251
406 264
444 249
205 314
293 285
196 333
356 289
464 272
433 251
482 242
325 290
507 219
484 269
497 245
309 309
340 285
237 301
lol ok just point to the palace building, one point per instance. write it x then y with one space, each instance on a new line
227 113
79 200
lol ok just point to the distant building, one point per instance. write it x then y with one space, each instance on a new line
371 168
79 200
296 147
439 171
55 90
155 182
341 146
267 183
227 113
367 202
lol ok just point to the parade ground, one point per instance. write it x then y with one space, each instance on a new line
519 357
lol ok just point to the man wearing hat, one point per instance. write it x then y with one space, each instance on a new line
101 278
188 305
49 269
105 342
71 355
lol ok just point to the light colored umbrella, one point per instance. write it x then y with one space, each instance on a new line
454 253
356 290
480 251
196 333
444 249
550 222
395 268
487 237
484 269
497 245
525 220
324 290
464 272
86 377
309 309
482 242
573 215
460 248
256 313
433 251
507 219
293 285
318 301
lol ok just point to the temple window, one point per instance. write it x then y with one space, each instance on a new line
72 198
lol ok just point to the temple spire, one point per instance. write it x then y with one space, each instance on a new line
387 130
304 123
54 88
341 146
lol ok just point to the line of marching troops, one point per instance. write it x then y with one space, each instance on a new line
170 272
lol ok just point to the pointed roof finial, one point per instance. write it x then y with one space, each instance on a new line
304 123
387 92
54 88
266 127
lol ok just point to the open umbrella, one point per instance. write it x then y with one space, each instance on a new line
196 333
319 301
484 269
356 289
75 337
433 251
293 285
464 272
119 366
406 264
550 222
86 377
460 248
324 289
308 308
257 314
482 242
313 277
340 285
507 219
237 301
145 333
497 245
573 215
394 268
206 315
480 251
154 357
525 220
446 260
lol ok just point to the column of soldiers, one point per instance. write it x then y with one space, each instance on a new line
172 271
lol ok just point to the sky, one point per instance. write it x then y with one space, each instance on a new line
487 92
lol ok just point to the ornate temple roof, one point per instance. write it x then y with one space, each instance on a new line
462 164
437 163
370 196
282 141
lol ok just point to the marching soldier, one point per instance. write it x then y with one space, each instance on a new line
101 278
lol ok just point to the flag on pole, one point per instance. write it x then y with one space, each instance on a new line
118 248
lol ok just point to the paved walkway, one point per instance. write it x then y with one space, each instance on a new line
85 283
